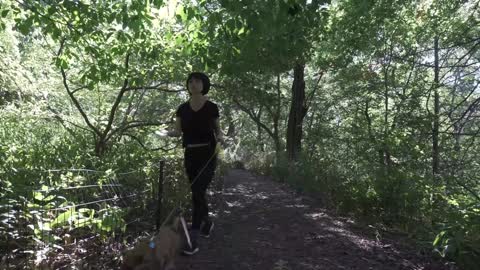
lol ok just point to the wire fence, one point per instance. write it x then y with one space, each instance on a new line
75 208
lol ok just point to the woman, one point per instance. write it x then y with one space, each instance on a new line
197 121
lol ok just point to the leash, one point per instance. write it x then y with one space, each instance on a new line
193 182
178 209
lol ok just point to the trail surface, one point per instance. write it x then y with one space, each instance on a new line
262 225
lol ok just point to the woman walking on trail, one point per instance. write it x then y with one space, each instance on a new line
197 121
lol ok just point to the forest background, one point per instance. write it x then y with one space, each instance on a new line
371 106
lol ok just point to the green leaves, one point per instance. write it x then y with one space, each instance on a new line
61 62
111 219
25 26
181 13
260 36
66 218
157 3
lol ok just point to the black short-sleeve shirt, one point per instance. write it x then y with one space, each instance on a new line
198 126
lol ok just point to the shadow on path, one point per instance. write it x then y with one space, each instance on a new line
261 226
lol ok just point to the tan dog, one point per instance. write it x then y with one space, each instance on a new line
158 253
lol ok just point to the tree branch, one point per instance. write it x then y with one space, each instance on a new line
131 125
117 100
253 117
151 149
312 94
369 122
58 117
153 87
470 109
77 104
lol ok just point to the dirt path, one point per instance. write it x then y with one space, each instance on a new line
262 225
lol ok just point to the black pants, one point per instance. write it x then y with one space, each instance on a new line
195 160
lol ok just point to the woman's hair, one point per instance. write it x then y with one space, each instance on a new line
200 76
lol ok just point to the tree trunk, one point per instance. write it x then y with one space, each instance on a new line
100 147
276 120
259 131
297 113
436 200
436 124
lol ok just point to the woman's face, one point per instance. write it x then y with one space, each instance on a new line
195 86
